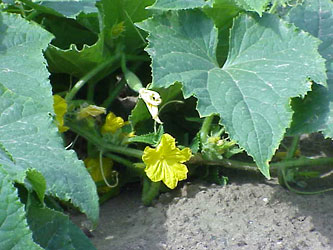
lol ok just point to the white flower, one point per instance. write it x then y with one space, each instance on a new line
152 100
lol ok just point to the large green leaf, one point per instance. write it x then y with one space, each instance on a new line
27 130
69 8
252 91
67 31
253 5
223 12
53 230
315 111
116 30
74 61
14 231
180 4
123 13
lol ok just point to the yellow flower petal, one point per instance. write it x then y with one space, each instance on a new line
152 99
112 123
92 165
91 110
60 109
164 162
117 29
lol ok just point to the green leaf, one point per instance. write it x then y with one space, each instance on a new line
223 12
180 4
252 91
151 138
116 29
14 231
53 230
67 31
125 13
74 61
68 8
27 130
315 112
37 182
90 21
253 5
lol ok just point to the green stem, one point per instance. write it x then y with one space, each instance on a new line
205 128
302 192
115 92
89 76
273 8
103 174
136 29
140 58
22 10
150 191
170 102
290 154
91 92
302 162
125 162
247 166
32 15
102 145
293 148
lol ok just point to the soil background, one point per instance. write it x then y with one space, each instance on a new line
248 213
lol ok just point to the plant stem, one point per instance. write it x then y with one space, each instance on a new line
140 58
302 192
101 144
274 6
32 15
169 102
115 92
124 162
293 148
150 191
247 166
91 92
89 76
103 174
205 128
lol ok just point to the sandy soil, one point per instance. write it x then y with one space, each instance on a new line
256 215
249 213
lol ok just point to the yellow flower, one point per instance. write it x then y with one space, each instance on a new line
152 100
117 29
165 162
60 109
112 123
91 110
131 134
92 165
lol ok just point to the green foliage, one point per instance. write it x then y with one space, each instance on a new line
230 77
29 138
179 5
74 61
253 5
115 30
54 230
14 230
125 13
256 74
69 8
314 112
